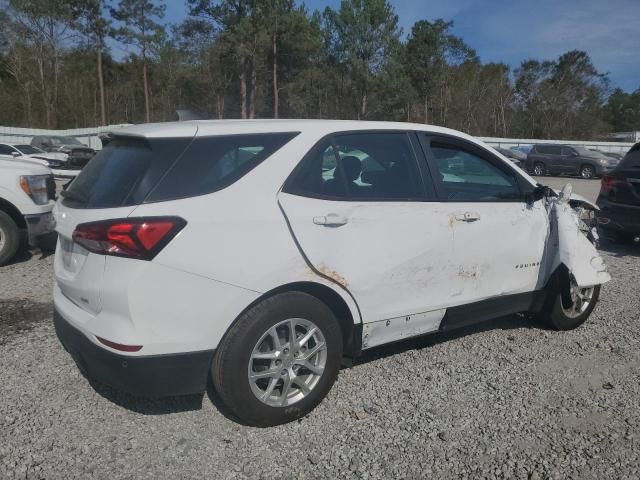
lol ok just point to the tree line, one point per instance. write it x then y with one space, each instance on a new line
60 68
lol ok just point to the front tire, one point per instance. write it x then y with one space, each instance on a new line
539 169
571 309
265 375
587 172
9 238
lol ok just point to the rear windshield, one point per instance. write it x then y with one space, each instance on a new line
630 160
130 171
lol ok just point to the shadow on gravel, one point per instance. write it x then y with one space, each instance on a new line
161 406
21 315
510 322
148 406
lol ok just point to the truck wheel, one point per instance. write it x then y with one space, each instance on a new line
279 360
587 172
9 238
570 312
539 169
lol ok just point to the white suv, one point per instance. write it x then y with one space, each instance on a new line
263 252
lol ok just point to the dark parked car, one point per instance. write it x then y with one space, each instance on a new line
569 160
79 153
515 156
619 198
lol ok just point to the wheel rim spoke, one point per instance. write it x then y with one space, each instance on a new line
310 353
286 386
270 373
303 341
311 367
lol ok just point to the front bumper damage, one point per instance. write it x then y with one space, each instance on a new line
570 238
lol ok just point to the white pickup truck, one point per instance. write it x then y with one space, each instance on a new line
27 195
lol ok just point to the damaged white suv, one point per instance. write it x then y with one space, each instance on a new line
263 252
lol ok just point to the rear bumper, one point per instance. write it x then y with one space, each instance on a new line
615 216
145 376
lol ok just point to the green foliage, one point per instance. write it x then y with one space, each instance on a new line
259 58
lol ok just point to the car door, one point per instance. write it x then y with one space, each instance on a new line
568 160
496 239
363 217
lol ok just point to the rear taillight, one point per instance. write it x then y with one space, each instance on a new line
139 238
609 182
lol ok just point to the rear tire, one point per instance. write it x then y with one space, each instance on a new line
9 238
569 313
261 377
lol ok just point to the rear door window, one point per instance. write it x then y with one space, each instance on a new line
366 166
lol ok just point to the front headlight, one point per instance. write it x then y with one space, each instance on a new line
603 161
36 187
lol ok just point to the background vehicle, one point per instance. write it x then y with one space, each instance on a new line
27 192
550 159
79 153
619 198
515 156
369 233
614 155
522 148
29 152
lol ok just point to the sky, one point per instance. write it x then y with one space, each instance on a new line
511 31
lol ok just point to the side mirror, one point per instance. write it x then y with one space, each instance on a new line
536 194
15 154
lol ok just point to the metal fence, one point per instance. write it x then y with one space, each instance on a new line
89 136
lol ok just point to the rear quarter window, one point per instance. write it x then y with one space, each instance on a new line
630 161
131 170
123 173
213 163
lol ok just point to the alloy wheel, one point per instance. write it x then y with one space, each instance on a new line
581 298
538 170
587 172
287 362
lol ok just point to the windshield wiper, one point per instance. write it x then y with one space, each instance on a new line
75 196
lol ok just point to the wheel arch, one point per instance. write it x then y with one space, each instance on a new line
348 316
11 210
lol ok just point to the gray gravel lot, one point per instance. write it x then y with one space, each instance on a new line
505 399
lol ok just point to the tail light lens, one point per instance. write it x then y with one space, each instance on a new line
140 238
609 182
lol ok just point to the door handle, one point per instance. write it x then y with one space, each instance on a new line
468 217
331 220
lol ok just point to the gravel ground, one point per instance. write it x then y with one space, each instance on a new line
508 398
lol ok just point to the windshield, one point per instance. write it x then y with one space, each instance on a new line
28 149
586 152
64 141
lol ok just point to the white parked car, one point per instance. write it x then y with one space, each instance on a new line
263 252
27 193
56 161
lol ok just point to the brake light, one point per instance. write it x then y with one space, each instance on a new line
139 238
609 182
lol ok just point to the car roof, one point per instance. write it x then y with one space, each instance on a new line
232 127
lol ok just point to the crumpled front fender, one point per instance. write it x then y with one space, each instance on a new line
574 250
